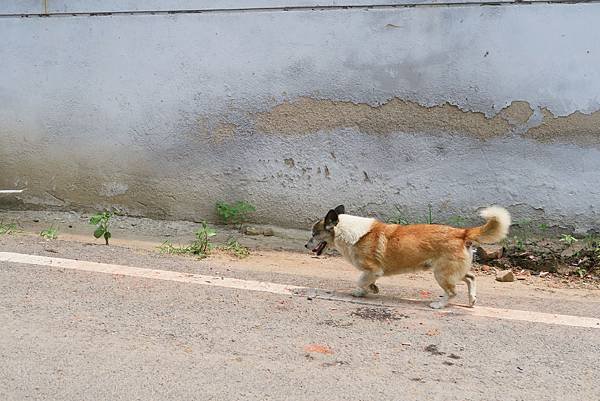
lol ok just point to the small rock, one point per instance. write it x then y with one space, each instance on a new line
433 350
36 220
573 250
249 230
489 252
268 232
543 274
486 268
566 269
505 276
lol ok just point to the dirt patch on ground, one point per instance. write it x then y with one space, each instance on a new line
568 256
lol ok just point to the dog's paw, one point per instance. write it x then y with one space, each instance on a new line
472 301
374 289
359 293
437 305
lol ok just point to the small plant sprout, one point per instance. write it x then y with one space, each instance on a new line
234 213
49 233
568 239
102 221
200 247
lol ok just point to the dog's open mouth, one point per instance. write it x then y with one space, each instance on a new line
319 248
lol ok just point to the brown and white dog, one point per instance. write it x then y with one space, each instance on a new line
378 249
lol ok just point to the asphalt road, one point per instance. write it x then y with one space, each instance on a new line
81 335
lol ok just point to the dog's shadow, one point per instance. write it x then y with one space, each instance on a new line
381 300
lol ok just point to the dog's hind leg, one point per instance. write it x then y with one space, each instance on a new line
448 287
470 280
366 283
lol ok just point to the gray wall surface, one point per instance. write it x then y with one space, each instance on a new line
163 111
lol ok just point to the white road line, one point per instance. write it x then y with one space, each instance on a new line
94 267
274 288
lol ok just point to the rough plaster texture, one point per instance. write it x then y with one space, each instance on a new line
162 115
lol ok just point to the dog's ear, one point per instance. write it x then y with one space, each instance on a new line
340 209
331 219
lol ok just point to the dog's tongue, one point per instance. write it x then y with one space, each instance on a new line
319 248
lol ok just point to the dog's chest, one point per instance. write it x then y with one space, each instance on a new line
349 253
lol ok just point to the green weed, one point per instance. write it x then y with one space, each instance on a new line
568 239
429 217
398 217
457 221
234 213
50 233
233 247
9 228
200 247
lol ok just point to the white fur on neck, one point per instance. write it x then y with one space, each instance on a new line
350 229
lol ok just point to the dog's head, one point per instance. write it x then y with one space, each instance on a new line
322 231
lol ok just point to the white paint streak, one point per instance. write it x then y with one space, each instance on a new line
10 191
274 288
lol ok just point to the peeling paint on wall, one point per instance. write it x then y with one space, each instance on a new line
224 131
308 115
578 128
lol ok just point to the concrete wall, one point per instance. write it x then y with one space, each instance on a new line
298 109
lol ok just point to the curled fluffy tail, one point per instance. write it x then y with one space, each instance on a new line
495 228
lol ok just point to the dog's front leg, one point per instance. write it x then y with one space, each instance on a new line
366 282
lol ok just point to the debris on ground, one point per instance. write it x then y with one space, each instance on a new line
505 276
433 332
334 363
318 348
433 350
377 314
